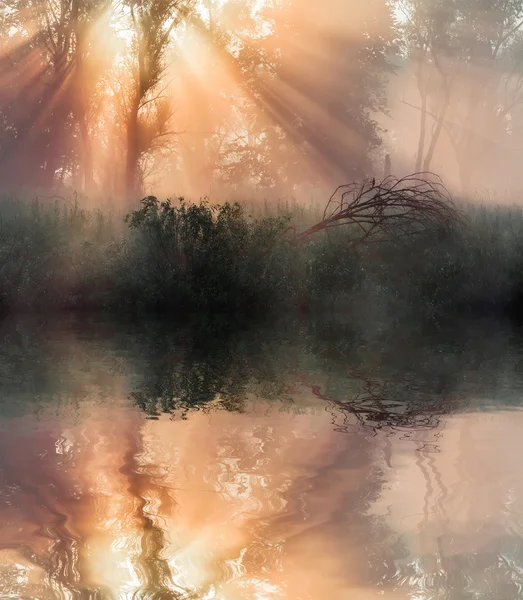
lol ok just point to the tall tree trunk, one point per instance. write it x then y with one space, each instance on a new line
133 151
437 132
468 144
80 108
53 150
423 118
87 152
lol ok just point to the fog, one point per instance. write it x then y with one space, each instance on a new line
496 172
269 98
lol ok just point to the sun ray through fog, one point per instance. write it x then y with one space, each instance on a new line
231 77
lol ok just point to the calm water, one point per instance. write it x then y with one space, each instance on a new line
312 463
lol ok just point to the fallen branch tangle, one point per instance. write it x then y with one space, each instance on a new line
390 209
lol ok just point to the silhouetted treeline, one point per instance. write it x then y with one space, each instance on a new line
180 259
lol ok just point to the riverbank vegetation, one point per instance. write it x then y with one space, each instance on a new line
116 100
177 258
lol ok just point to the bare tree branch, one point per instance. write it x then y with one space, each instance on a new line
395 207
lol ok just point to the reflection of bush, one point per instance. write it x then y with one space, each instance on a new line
205 370
376 383
401 377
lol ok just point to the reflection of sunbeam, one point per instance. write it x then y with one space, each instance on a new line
41 488
152 565
269 505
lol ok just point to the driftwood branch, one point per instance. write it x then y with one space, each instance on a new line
390 209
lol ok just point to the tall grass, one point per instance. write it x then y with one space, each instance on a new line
180 258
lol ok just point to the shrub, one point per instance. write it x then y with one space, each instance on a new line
206 257
179 257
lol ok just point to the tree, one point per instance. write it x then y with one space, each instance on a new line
87 17
467 58
324 69
307 107
46 62
392 209
490 82
430 44
211 108
153 22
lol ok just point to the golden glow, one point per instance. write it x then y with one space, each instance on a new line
208 108
266 505
211 108
205 506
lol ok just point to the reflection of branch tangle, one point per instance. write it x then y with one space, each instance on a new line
376 409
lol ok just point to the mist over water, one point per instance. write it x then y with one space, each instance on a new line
361 438
259 466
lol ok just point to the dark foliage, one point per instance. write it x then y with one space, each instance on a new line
181 258
206 257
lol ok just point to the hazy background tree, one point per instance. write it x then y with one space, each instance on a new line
490 84
148 110
429 43
238 94
466 59
50 65
313 81
266 97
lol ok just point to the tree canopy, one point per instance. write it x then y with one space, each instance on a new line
118 97
112 96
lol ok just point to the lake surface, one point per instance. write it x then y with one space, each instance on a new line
307 462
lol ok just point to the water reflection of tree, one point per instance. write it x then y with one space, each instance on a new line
216 372
155 573
405 388
213 374
401 378
471 531
369 387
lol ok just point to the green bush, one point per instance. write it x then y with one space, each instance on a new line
206 257
178 257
